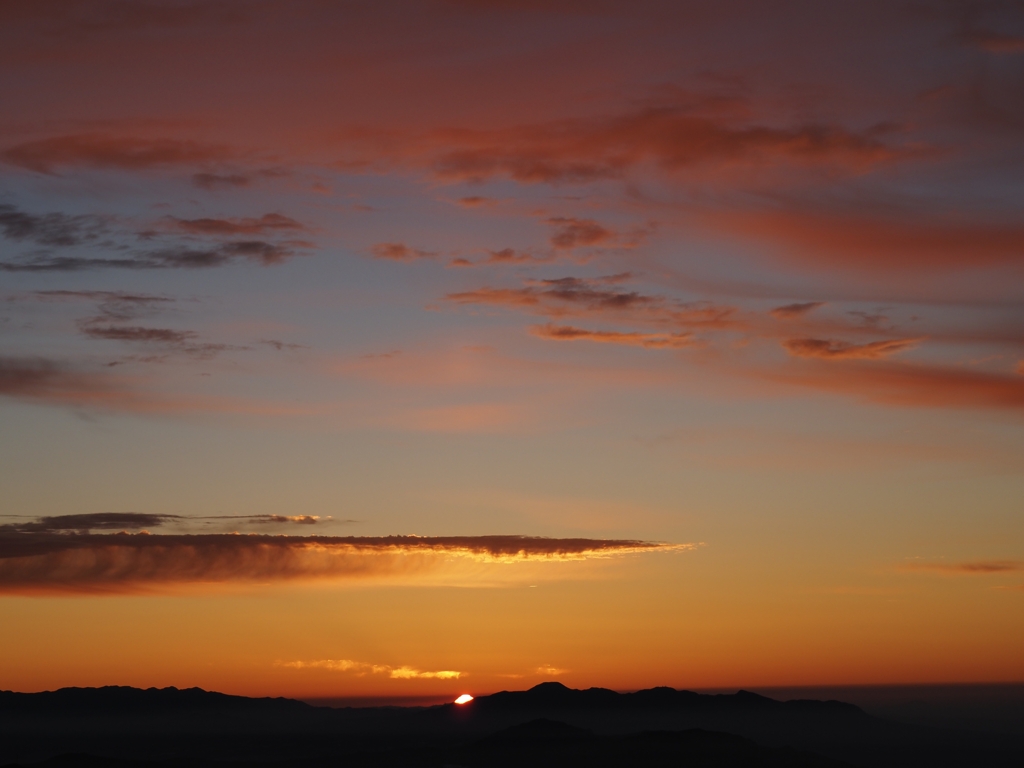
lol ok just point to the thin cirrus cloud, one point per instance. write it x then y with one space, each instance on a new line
362 668
969 568
633 339
830 349
182 257
124 521
221 181
172 340
268 223
790 311
58 562
573 296
116 311
63 383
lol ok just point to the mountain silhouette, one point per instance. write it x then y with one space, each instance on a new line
547 724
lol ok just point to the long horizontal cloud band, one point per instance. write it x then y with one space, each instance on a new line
122 561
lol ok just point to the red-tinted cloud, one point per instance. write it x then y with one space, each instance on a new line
908 385
676 139
906 241
790 311
102 151
574 233
399 252
269 223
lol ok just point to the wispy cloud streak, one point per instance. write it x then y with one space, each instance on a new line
362 668
122 562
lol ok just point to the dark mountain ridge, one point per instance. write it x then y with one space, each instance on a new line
169 724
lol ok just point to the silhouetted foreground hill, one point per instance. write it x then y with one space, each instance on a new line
546 725
539 744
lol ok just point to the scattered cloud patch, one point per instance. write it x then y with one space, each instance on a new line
574 233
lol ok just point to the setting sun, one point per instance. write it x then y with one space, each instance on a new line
464 699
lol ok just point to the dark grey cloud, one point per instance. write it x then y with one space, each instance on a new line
90 522
119 521
113 306
281 346
170 339
195 243
184 257
267 223
50 229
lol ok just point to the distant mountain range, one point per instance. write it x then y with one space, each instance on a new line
549 724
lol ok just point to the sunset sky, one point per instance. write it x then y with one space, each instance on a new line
418 348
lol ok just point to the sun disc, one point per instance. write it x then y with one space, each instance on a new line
464 699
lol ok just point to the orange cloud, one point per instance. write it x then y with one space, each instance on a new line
842 350
91 562
399 252
646 340
909 385
510 256
904 240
